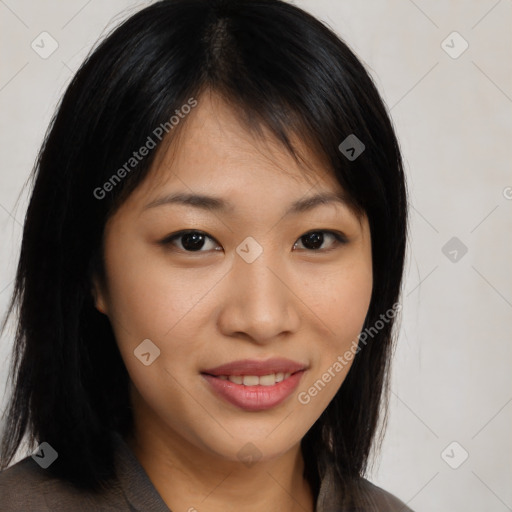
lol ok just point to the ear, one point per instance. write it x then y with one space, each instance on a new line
98 293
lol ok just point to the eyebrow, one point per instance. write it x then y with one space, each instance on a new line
213 203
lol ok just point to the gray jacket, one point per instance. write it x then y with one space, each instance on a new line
26 487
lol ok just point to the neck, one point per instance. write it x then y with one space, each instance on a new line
191 479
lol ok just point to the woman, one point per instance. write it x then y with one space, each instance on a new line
209 273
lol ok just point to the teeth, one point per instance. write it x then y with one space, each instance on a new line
254 380
267 380
251 380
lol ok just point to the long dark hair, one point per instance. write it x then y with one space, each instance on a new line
281 69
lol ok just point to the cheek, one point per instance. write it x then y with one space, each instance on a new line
149 301
341 302
148 297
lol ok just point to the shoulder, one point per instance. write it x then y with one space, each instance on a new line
355 495
23 486
385 501
26 487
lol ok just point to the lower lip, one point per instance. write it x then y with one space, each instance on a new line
255 398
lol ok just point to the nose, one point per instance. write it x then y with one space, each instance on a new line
259 302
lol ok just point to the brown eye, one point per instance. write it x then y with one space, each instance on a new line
191 241
314 240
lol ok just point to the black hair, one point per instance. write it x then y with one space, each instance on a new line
282 70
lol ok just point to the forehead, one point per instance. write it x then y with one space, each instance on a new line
215 149
215 144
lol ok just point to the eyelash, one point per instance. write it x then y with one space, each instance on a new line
339 238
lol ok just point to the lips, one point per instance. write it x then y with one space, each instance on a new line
255 385
257 368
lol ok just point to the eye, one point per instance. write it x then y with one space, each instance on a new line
191 241
194 241
313 240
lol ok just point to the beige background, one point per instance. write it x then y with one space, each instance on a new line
452 379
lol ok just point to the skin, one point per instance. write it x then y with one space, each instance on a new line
206 308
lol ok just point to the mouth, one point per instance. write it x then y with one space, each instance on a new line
254 385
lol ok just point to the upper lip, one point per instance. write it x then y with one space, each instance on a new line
256 367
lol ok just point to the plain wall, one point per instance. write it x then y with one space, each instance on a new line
451 374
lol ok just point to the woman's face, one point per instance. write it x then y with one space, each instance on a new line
249 290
